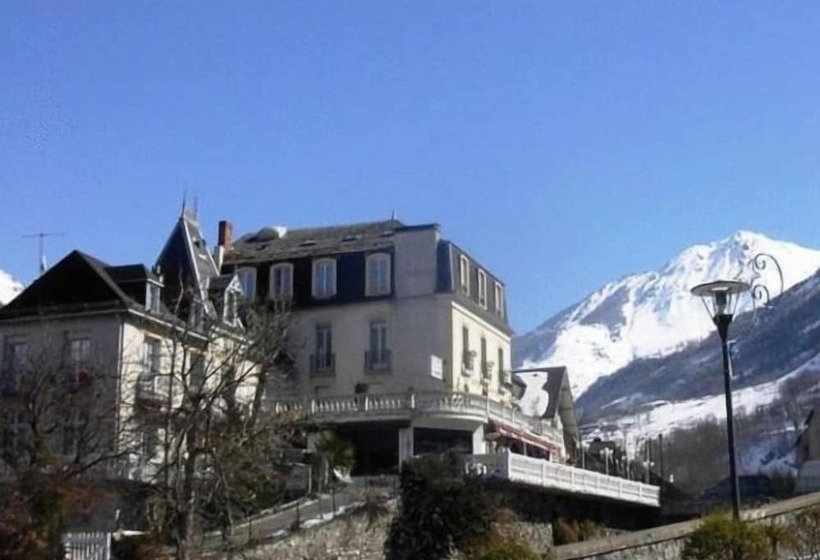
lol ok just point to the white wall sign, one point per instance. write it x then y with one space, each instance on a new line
436 367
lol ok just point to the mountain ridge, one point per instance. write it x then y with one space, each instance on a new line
652 314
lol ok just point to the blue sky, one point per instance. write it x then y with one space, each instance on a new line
562 144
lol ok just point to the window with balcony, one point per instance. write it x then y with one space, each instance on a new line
281 282
485 365
464 275
247 279
377 358
502 375
468 356
499 299
324 278
482 288
152 382
322 361
74 432
378 275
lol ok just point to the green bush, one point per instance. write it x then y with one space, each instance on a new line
566 531
723 538
503 549
440 511
805 533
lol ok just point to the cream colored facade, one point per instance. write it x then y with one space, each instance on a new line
122 376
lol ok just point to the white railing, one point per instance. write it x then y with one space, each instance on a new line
546 474
87 546
359 407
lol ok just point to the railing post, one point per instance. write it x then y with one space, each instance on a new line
366 403
312 406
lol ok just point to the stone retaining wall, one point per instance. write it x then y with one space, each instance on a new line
353 536
666 543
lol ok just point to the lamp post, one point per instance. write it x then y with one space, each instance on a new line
720 299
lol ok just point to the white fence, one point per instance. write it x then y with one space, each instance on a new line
546 474
87 546
406 405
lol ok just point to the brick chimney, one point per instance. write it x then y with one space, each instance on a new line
225 236
224 243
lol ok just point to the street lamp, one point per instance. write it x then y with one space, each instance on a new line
720 299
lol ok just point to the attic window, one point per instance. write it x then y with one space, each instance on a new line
351 238
152 297
307 243
387 233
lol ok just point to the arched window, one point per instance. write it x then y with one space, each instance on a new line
281 281
324 278
247 279
378 274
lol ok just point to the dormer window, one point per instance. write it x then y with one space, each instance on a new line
152 297
378 274
324 278
482 288
464 274
499 300
247 279
281 281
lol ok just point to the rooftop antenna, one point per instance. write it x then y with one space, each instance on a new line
393 215
196 207
41 235
184 200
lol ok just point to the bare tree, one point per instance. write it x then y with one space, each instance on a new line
59 434
218 456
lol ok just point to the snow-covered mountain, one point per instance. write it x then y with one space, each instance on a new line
9 288
653 314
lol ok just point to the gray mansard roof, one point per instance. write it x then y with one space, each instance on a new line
275 243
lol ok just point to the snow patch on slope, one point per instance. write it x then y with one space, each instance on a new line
653 314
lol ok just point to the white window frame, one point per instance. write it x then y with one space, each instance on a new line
378 353
247 279
276 292
467 355
14 364
80 349
324 288
323 346
231 306
152 365
499 299
152 297
74 432
378 286
464 274
482 288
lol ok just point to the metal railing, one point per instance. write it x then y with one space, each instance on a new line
546 474
377 362
322 364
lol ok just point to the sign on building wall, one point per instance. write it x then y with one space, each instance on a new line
436 367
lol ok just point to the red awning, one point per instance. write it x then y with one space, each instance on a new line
524 437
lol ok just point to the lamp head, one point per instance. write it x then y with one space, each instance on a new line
720 297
